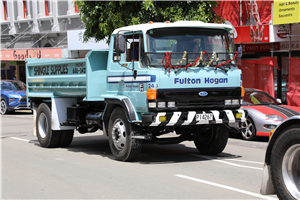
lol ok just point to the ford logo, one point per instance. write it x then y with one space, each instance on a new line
203 94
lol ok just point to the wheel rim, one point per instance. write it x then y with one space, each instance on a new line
119 134
291 170
247 129
3 107
43 125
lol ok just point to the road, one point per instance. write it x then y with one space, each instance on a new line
87 170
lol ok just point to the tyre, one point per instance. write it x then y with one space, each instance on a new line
213 141
46 136
285 164
122 146
248 130
66 137
3 107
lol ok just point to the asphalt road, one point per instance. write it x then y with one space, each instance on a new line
87 170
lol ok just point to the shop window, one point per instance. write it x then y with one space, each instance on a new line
5 10
25 9
47 7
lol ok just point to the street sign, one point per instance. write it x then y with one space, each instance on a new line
286 12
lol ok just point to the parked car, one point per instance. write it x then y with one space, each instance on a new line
264 113
282 161
13 96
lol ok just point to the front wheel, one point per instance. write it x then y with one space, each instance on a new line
123 147
213 141
248 130
3 108
285 164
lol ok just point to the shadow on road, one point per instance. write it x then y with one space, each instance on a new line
150 153
20 112
258 139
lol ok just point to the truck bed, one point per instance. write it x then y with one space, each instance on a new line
47 78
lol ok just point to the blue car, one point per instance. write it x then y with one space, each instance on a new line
13 96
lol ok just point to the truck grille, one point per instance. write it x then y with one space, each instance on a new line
189 99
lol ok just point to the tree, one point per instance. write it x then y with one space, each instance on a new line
101 18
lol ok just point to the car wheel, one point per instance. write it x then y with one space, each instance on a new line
285 164
46 136
213 141
123 147
248 130
3 108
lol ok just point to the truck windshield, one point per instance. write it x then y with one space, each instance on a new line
184 45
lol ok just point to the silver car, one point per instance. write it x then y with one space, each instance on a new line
264 113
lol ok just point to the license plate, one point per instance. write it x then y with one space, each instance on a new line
206 116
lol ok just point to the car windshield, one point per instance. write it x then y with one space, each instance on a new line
12 85
258 98
193 41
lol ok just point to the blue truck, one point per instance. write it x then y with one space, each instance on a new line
155 79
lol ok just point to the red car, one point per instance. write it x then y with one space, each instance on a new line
264 113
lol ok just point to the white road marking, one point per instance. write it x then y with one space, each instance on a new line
19 139
228 163
29 141
234 159
225 187
247 161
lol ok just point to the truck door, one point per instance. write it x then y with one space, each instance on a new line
126 75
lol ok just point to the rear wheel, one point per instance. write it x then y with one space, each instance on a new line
248 130
213 141
46 136
285 164
3 107
123 147
66 137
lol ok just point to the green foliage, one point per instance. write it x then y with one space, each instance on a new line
101 18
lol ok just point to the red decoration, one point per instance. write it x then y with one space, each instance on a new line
167 61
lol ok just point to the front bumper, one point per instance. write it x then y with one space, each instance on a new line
189 118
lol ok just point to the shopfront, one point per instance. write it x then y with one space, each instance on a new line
268 30
13 60
275 43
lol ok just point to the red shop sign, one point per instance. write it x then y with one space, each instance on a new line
247 48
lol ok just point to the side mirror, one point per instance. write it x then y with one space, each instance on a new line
231 41
279 100
120 42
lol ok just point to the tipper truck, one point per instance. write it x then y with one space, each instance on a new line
155 79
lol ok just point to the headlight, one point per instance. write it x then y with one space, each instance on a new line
275 118
227 102
161 104
171 104
232 102
152 105
235 102
270 126
15 96
11 100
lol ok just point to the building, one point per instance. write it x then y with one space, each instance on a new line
36 29
260 37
